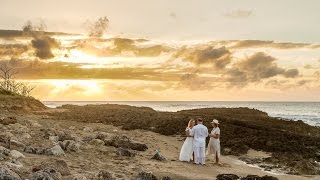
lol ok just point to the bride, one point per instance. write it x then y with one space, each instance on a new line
187 147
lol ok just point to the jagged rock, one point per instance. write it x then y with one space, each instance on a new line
159 157
166 178
97 142
7 174
251 177
269 178
16 155
5 138
89 137
15 165
104 175
59 166
55 150
103 135
29 149
88 129
70 146
78 177
40 151
48 174
19 128
48 133
54 138
124 152
4 153
306 167
227 177
9 120
125 142
255 177
36 125
64 135
25 136
45 117
143 175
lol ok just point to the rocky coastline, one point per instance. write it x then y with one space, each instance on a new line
122 142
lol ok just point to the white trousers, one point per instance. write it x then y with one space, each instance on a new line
199 155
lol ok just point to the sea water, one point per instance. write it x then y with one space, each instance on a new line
309 112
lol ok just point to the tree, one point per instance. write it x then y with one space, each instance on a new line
11 87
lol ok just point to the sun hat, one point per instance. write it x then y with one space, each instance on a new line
214 121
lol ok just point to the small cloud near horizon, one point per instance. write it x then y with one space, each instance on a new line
239 13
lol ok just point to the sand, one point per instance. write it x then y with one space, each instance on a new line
92 158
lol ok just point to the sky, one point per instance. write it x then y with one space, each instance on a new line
165 50
285 20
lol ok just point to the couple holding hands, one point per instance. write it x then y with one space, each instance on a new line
194 147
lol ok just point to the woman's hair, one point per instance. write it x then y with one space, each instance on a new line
189 124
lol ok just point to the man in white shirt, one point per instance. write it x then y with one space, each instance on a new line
199 133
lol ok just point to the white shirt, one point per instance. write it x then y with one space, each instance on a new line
199 133
215 131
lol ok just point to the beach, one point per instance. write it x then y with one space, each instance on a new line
87 136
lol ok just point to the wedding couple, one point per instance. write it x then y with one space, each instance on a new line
194 147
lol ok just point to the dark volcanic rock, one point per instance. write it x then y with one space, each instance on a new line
158 156
7 174
242 129
125 152
255 177
143 175
227 177
58 165
48 174
166 178
9 120
104 175
125 142
268 178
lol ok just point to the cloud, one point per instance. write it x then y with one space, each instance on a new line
193 82
218 57
42 43
173 15
255 68
272 44
43 46
239 13
13 50
286 84
36 69
124 47
291 73
99 27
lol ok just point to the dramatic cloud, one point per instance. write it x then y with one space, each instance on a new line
240 13
218 57
42 43
255 68
43 46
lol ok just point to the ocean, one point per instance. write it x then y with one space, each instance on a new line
309 112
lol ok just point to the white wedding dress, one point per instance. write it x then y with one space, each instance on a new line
187 149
